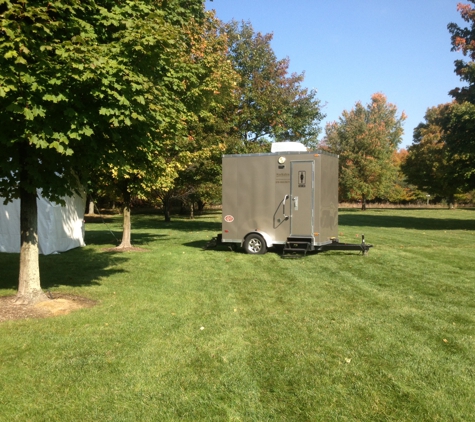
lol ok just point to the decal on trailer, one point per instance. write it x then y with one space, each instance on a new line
229 219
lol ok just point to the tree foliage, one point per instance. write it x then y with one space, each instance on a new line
201 78
430 165
460 124
93 84
272 105
366 138
207 133
87 80
463 40
265 104
441 159
402 190
459 128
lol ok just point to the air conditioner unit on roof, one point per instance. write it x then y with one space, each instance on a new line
288 147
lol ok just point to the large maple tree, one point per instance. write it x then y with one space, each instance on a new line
194 74
87 84
366 138
272 103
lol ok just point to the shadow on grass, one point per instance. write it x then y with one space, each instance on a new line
77 267
419 223
206 222
113 238
201 244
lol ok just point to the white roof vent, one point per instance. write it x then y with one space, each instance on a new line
288 147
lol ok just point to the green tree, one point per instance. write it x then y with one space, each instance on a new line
199 75
42 53
272 105
459 125
463 40
431 164
402 190
459 128
207 131
86 85
366 138
197 184
265 104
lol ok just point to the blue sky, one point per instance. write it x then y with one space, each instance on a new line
350 49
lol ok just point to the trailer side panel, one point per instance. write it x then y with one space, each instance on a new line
265 192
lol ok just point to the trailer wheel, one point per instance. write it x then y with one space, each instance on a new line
255 244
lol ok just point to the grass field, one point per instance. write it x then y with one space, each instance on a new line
182 334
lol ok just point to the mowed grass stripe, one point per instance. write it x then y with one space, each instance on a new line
185 334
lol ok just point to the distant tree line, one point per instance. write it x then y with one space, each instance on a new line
440 163
441 160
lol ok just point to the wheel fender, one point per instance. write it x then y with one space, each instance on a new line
266 237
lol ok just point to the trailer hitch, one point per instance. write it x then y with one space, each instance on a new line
363 247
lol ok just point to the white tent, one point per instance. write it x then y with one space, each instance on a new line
60 228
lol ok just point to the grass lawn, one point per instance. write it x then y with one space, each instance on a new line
182 334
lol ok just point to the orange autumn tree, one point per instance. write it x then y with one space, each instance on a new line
366 138
463 40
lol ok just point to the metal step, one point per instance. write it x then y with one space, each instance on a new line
297 246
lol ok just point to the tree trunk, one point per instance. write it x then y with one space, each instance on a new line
126 231
451 202
166 208
91 208
192 210
166 213
29 288
363 203
201 206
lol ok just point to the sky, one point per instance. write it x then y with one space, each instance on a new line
351 49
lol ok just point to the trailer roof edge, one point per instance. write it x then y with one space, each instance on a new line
283 153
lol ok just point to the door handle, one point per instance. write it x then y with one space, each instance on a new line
286 217
296 203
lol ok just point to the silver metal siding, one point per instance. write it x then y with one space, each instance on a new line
254 186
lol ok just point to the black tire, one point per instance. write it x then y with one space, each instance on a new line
255 245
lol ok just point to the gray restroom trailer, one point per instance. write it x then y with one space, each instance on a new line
287 198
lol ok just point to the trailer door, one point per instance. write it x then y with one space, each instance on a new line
302 176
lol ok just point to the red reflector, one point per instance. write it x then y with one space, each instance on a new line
226 231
